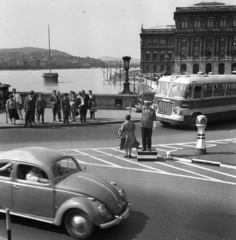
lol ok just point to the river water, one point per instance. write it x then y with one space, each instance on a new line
69 79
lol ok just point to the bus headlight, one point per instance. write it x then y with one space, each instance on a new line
177 111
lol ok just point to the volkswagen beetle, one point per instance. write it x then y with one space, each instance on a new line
49 186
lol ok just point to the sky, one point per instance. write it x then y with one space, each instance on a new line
85 28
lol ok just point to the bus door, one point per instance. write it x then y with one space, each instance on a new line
197 97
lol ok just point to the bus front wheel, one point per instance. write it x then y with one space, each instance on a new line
192 120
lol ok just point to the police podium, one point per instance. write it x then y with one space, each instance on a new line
146 155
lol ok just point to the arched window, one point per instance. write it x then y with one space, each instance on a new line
233 67
183 68
195 68
208 68
221 68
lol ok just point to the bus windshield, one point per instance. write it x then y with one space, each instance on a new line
163 88
172 89
178 90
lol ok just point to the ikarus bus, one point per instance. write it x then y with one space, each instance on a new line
181 98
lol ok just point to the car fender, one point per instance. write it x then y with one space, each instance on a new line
82 203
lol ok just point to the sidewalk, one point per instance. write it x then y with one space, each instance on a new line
101 117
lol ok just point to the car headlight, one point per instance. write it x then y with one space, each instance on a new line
122 194
103 211
177 111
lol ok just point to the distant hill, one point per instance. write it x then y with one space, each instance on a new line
29 50
107 59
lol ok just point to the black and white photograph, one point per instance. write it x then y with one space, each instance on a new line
117 120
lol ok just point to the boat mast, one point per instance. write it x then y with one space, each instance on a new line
49 48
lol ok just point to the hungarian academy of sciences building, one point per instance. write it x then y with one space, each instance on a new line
203 39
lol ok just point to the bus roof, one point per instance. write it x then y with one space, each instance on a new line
199 79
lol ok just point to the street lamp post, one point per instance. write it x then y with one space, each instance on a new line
126 83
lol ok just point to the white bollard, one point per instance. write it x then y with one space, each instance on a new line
201 123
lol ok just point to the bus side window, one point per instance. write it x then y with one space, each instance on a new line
207 90
219 89
197 92
230 89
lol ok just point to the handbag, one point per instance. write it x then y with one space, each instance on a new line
120 133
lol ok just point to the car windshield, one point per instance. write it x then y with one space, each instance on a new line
163 88
177 90
64 168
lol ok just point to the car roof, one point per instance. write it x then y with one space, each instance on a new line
36 155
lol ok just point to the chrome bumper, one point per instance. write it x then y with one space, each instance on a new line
172 118
117 219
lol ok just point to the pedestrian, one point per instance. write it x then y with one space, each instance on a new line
65 106
128 128
29 108
35 98
59 105
11 108
84 103
92 105
73 106
41 104
18 100
55 105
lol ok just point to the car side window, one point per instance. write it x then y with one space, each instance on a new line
5 169
32 174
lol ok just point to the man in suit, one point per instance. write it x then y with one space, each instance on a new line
29 108
41 104
84 104
55 105
65 106
91 104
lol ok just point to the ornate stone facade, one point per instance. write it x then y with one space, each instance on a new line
203 39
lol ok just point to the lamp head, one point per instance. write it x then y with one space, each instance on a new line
126 60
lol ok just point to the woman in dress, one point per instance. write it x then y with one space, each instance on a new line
128 128
11 109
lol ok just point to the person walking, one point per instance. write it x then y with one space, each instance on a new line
65 106
128 128
91 104
29 108
18 100
54 101
11 108
41 104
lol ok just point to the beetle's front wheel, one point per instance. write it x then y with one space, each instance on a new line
78 224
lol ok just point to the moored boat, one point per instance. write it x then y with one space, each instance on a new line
50 77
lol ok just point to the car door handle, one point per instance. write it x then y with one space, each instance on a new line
16 186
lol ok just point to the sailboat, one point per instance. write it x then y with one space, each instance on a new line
50 77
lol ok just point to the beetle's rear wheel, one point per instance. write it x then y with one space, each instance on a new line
78 224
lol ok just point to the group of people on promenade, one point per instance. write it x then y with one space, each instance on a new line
67 107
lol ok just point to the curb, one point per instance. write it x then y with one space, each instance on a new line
51 125
199 161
